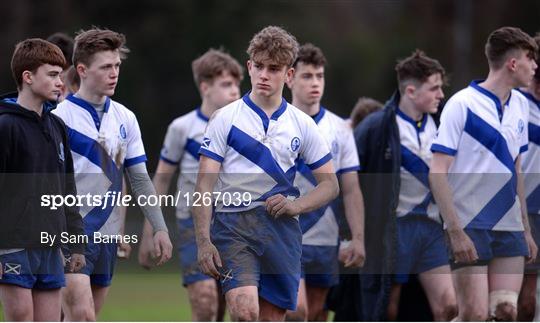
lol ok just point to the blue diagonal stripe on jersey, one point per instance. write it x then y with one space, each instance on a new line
96 154
261 156
414 165
534 134
421 209
305 171
308 220
192 147
491 139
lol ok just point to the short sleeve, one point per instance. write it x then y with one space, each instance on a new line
314 151
214 143
135 149
174 143
453 119
348 155
523 128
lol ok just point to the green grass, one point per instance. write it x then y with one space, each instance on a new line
140 295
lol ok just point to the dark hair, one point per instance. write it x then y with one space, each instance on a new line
275 44
214 62
363 107
65 43
310 54
505 39
417 67
96 40
30 54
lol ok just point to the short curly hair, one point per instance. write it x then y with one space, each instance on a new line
310 54
275 44
214 62
417 67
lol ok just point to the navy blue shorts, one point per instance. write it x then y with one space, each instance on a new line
187 251
100 262
37 268
421 246
491 244
320 267
258 250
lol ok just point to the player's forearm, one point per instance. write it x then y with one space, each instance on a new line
521 196
326 190
141 185
444 198
161 182
202 214
354 210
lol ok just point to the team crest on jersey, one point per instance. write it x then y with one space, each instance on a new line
61 152
123 132
521 126
295 144
335 148
206 142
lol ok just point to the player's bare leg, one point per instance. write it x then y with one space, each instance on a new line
47 305
301 313
505 278
243 303
527 298
393 302
99 293
77 300
269 312
203 297
316 300
471 285
439 289
17 303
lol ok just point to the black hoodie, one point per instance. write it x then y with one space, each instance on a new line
35 161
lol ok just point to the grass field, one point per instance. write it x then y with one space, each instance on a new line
140 295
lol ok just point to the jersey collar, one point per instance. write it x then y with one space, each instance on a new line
530 97
419 126
88 107
491 95
319 115
201 115
260 112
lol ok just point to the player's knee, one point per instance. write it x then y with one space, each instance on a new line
205 306
19 312
503 305
300 315
245 314
473 313
445 312
447 309
81 313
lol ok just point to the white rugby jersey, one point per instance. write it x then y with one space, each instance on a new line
181 147
415 197
258 153
530 162
320 227
485 141
100 151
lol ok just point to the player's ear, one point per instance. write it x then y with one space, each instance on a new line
27 77
511 63
203 88
410 90
290 74
81 70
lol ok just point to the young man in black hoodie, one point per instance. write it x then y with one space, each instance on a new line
35 162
